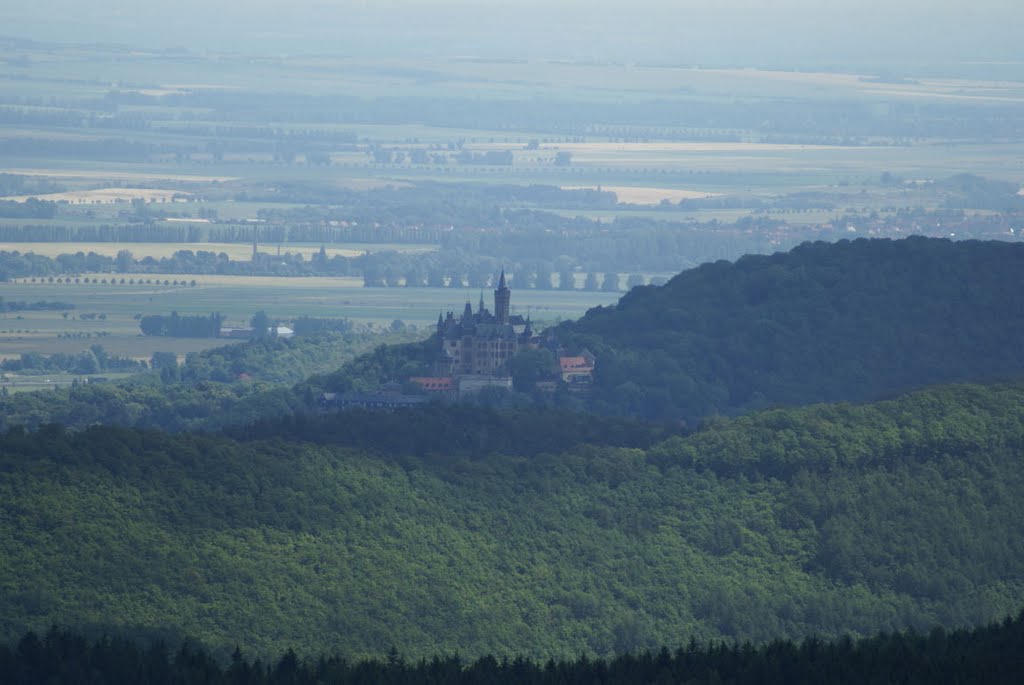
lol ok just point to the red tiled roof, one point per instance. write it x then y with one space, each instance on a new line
434 384
574 364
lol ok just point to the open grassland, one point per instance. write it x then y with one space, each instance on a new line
238 298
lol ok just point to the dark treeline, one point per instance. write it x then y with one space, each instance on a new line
179 326
523 240
32 208
107 150
39 306
131 232
423 204
311 325
993 654
476 227
19 184
94 360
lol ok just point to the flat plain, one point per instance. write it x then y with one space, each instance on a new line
226 168
237 298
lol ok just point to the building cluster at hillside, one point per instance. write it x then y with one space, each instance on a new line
475 348
473 353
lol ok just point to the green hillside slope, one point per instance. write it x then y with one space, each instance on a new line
826 520
824 322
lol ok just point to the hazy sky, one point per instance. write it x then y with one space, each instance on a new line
738 32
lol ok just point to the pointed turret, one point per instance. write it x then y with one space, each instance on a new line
502 300
480 307
467 313
440 322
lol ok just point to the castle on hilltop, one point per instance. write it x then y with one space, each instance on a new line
480 343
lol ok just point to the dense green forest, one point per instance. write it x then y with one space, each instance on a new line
824 520
991 654
853 320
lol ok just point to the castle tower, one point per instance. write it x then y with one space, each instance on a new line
502 300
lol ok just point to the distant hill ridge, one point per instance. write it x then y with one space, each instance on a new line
853 320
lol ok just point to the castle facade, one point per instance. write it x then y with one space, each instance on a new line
479 343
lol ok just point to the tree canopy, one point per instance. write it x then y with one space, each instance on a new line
855 320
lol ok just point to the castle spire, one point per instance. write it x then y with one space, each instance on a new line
502 299
480 308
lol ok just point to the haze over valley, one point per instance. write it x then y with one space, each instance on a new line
341 338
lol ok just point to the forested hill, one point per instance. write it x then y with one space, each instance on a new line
853 320
827 520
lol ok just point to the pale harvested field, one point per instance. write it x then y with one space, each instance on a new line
903 92
105 196
817 78
688 147
159 92
200 86
647 196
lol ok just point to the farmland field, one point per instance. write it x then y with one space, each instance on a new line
238 298
105 196
301 140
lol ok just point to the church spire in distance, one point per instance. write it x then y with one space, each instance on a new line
502 300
